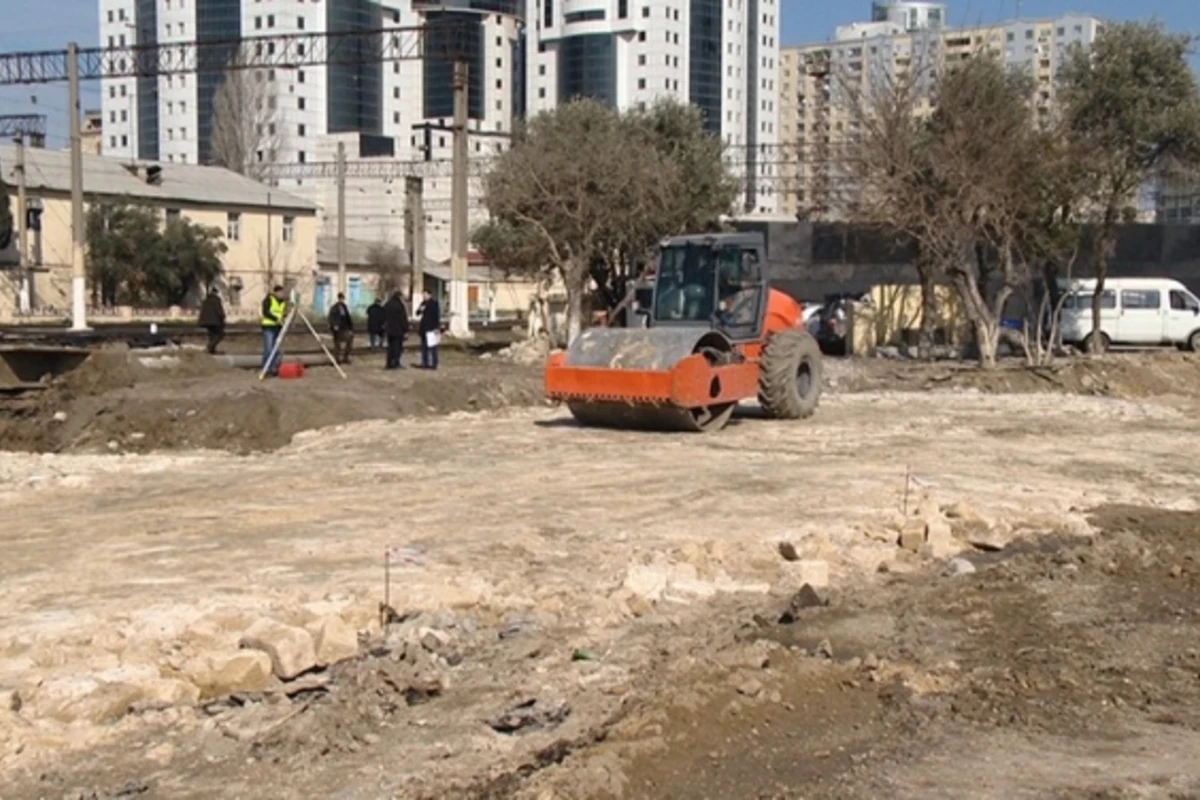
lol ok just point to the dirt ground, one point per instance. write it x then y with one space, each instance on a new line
141 401
590 614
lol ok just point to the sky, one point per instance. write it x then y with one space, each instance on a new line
50 24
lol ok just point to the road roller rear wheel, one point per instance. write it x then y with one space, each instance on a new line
789 380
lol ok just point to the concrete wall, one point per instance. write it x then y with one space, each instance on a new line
809 260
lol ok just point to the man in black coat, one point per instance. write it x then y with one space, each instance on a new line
212 319
430 313
375 324
341 325
395 318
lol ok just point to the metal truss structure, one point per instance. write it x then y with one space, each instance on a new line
447 41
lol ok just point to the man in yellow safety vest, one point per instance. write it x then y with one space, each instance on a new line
274 311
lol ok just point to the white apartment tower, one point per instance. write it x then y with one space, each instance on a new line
396 110
721 55
170 118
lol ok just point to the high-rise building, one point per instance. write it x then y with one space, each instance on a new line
395 110
721 55
903 39
171 118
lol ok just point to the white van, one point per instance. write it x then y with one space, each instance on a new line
1141 312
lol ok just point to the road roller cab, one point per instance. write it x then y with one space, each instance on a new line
717 335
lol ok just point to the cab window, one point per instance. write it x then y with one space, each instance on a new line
1182 301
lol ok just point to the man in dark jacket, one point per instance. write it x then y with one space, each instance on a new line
430 313
375 324
212 319
395 318
341 325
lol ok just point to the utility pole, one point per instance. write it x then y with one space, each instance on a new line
459 313
414 204
78 273
26 292
341 217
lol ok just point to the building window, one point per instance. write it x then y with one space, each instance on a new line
395 92
270 20
233 226
590 15
110 15
300 23
641 83
301 129
642 60
645 12
289 228
300 103
622 9
299 76
124 141
548 14
541 92
258 23
300 156
172 215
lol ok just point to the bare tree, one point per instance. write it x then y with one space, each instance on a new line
392 271
247 132
956 182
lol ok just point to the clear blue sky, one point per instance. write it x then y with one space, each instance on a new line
50 24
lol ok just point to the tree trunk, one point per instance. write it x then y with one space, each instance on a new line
987 337
929 311
1104 251
574 311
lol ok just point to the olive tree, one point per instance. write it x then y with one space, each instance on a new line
585 190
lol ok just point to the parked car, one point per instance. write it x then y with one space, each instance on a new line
1140 312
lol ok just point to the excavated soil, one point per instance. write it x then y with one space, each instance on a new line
115 402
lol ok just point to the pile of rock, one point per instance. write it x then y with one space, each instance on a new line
527 352
269 656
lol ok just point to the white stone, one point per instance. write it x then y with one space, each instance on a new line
648 581
291 649
813 571
334 640
960 566
242 671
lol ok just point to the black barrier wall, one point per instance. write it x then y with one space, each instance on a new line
810 260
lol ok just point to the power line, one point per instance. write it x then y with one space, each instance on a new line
447 41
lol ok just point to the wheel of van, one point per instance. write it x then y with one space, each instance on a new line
1105 343
1194 342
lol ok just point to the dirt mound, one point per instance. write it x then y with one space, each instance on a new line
162 401
1115 375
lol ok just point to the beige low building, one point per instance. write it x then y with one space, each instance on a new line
271 235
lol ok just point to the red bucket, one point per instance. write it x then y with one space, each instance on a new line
292 369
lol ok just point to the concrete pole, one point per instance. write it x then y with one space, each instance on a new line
341 217
415 202
25 296
459 319
78 268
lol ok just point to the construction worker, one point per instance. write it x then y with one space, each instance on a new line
212 319
274 311
341 325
